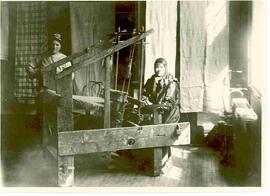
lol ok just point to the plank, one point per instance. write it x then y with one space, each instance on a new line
65 123
113 139
157 161
66 59
52 150
134 101
157 152
117 59
103 54
132 123
142 68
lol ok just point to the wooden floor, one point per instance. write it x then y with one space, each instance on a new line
192 167
23 164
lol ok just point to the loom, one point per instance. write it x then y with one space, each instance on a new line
113 136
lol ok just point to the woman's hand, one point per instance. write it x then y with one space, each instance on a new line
30 69
146 101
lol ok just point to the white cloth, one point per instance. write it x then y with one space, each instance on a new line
90 23
216 97
192 55
162 17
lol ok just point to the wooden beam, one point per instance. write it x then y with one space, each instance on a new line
132 123
65 123
66 59
103 54
113 139
107 100
52 150
157 161
117 59
141 73
157 152
134 101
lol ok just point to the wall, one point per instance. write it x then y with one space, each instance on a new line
249 154
59 22
256 134
247 145
258 46
240 28
8 38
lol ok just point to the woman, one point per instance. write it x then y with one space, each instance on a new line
35 70
162 88
45 103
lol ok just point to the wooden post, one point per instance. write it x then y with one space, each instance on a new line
107 102
141 75
157 152
45 124
65 123
117 59
192 118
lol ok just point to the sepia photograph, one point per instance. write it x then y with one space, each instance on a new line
133 95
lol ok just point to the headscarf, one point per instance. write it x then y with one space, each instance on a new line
164 62
166 78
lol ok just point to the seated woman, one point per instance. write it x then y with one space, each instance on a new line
162 88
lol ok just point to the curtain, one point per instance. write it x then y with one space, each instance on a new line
192 55
204 56
162 17
91 22
31 42
216 97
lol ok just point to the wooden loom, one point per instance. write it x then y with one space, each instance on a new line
71 143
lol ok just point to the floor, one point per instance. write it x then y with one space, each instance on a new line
193 166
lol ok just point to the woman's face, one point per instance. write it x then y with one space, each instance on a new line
160 69
56 47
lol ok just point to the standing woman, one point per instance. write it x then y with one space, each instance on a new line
162 88
35 69
46 111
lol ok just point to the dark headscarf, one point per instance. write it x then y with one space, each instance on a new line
164 62
162 80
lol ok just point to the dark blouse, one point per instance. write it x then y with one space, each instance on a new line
164 90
